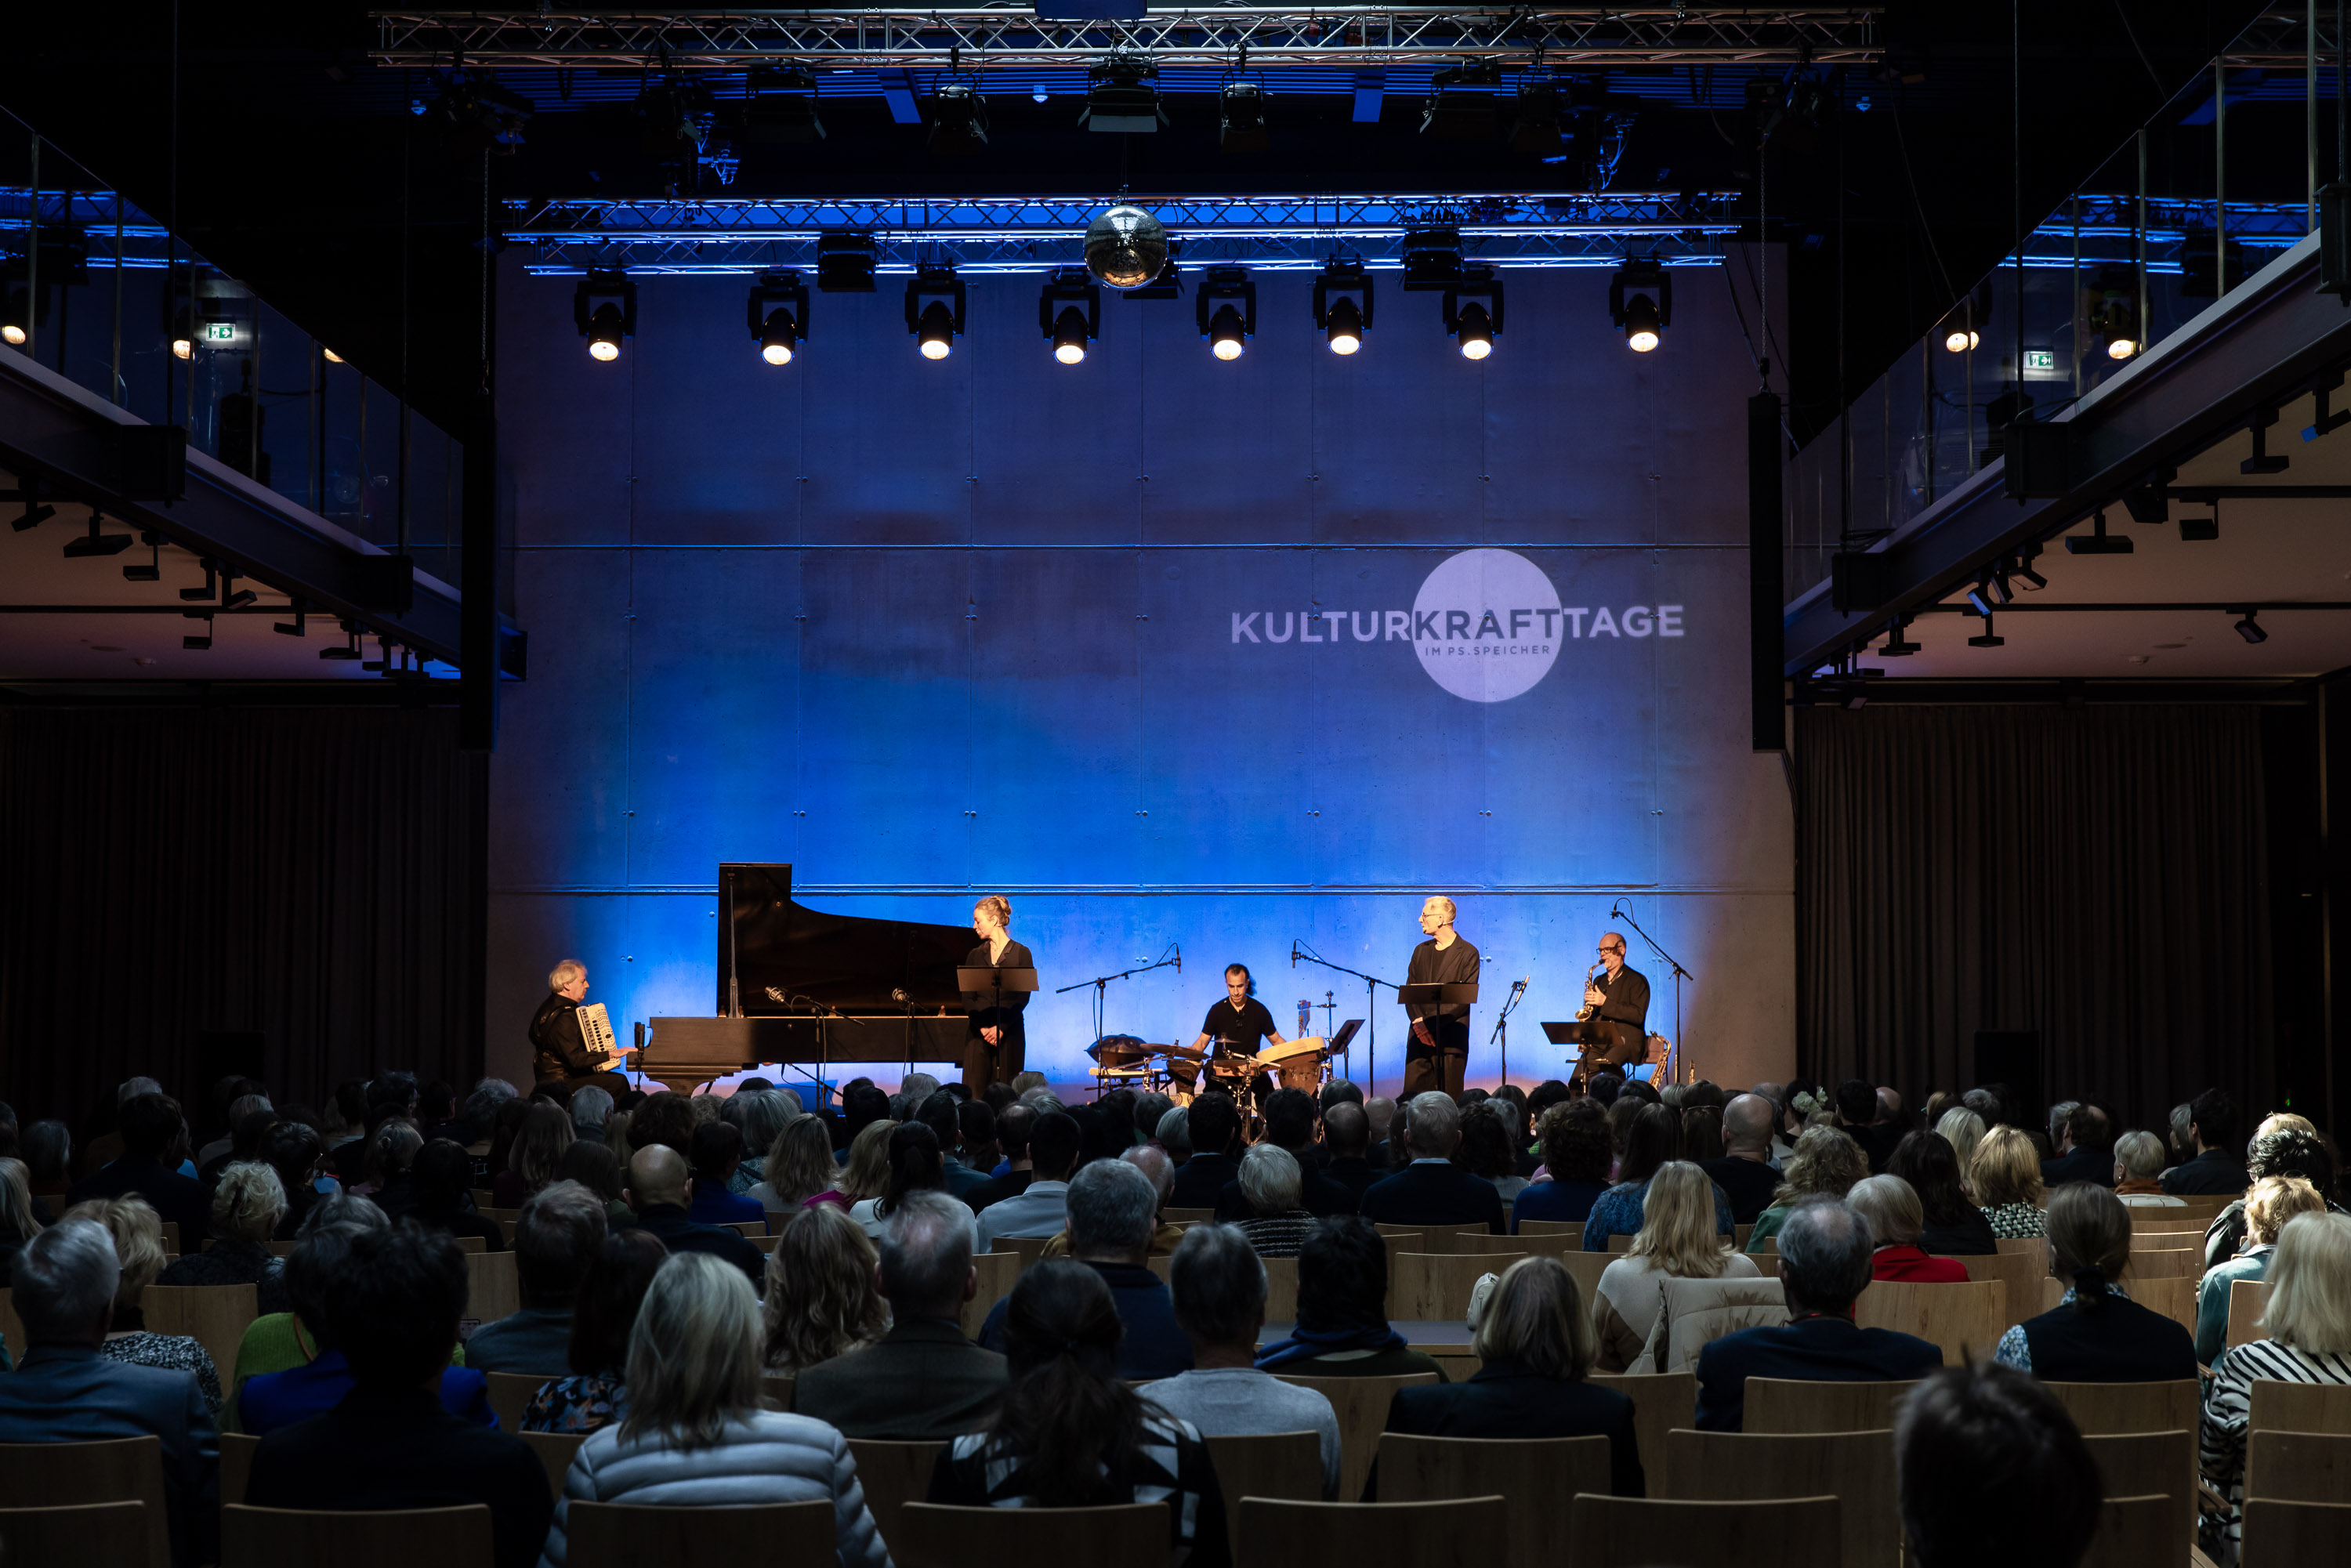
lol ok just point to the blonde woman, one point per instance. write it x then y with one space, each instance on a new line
546 1131
17 1225
2006 1179
138 1244
247 1206
867 1175
1964 1130
1826 1162
2272 1202
1678 1240
821 1301
799 1169
390 1151
997 1043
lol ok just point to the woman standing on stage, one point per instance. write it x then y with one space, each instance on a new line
992 1052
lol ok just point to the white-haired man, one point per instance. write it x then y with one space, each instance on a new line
559 1050
1438 1054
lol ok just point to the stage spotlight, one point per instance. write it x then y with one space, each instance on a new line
778 315
332 358
349 652
958 120
183 334
1241 119
2250 630
1536 128
675 122
1641 301
1069 312
1344 325
199 644
16 316
845 263
604 307
1120 96
1343 304
935 301
1226 307
1463 105
1980 600
1988 638
2023 569
2111 308
154 570
1897 645
95 543
1473 311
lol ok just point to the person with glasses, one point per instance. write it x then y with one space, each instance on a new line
1617 1032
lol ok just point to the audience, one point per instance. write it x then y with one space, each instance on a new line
2139 1161
1218 1280
1152 1161
1069 1432
295 1152
1577 1155
716 1149
1861 1116
2272 1201
595 1167
1342 1317
799 1172
1290 1118
1113 1213
1650 1143
1275 1222
558 1235
2095 1334
917 1164
138 1238
384 1172
1954 1226
2085 1147
1215 1127
1824 1163
602 1315
2213 1132
282 1341
248 1208
1824 1264
760 1114
437 1196
1039 1208
1486 1147
1677 1239
1743 1170
1014 1171
18 1222
1989 1469
1346 1147
2277 1150
1890 1207
2006 1180
590 1106
536 1151
154 1141
657 1190
820 1298
1432 1190
864 1169
1174 1133
1963 1129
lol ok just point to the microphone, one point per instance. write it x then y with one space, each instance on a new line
1293 953
1180 957
898 994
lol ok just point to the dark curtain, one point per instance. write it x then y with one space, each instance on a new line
309 873
2096 874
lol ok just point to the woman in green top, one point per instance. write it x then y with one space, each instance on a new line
1826 1164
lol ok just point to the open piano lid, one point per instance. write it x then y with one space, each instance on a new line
789 952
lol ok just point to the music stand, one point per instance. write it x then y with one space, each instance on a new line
996 982
1466 995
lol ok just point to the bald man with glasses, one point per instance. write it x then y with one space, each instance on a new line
1617 1032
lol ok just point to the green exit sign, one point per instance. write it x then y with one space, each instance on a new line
220 331
2039 359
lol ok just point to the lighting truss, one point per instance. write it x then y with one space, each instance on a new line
1010 33
2109 237
996 235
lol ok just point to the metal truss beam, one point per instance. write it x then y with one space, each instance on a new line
979 38
2276 38
2108 234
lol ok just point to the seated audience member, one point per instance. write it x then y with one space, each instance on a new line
1825 1162
247 1206
538 1148
18 1222
2278 1149
1825 1261
667 1119
384 1171
2306 1339
1214 1125
1041 1207
1174 1135
799 1172
280 1342
2139 1161
1269 1185
296 1153
557 1235
2096 1334
1535 1340
2273 1201
154 1140
47 1149
1860 1117
942 1114
595 1167
1069 1432
760 1114
975 1153
1149 1109
1577 1155
1486 1149
1432 1190
1744 1171
1152 1161
1678 1240
590 1106
1290 1126
138 1238
1112 1214
1342 1316
436 1194
657 1190
251 1127
2215 1169
2006 1180
717 1154
66 1390
1379 1115
923 1381
1219 1284
698 1433
1891 1210
1014 1171
1989 1469
1653 1141
1346 1142
1963 1129
821 1299
916 1164
596 1392
2085 1149
1954 1226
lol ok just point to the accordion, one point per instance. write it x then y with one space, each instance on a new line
596 1030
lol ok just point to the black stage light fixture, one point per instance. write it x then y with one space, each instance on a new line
1641 301
477 115
2022 568
1432 257
2250 630
2202 530
36 512
17 316
1069 311
845 263
1980 600
239 599
96 543
349 651
1536 128
1343 304
935 302
1120 96
299 626
958 120
1473 311
154 570
1989 639
675 122
1225 306
1898 646
1240 125
779 105
194 642
605 306
2097 541
1464 101
778 315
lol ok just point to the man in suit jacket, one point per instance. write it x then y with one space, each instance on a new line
1114 1211
1824 1263
1215 1123
657 1189
152 1135
2085 1150
1433 1190
925 1381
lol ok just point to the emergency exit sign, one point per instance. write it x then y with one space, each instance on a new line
2040 359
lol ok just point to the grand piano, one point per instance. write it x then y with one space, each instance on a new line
800 987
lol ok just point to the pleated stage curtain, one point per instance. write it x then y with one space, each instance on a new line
308 872
2098 874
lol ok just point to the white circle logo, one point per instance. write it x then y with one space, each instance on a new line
1487 625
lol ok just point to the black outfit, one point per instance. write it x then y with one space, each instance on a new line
559 1050
1877 1143
1442 1065
1357 1175
1318 1194
1808 1350
1971 1236
1748 1184
1201 1179
171 1195
2109 1340
668 1222
1436 1193
399 1450
983 1063
2080 1165
1618 1030
233 1260
1241 1030
2212 1172
996 1190
461 1222
1504 1399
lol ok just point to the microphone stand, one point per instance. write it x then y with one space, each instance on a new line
1101 983
1617 912
1371 984
1501 1035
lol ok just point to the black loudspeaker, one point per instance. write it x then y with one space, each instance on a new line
220 1052
2012 1056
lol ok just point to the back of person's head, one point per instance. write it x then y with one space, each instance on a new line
1345 1130
938 1112
1219 1285
1290 1118
249 1130
2007 1168
2089 1126
49 1151
590 1105
392 1307
589 1162
665 1119
480 1110
975 1125
821 1301
1749 1120
799 1162
1066 1421
1013 1125
1173 1132
16 1199
1094 1139
2290 1151
1432 1126
2213 1118
915 1165
440 1175
293 1151
138 1233
1154 1163
1269 1179
320 1249
2273 1200
1654 1138
1856 1103
64 1282
864 1104
1487 1143
557 1235
1890 1207
1215 1124
1576 1145
149 1125
657 1178
546 1132
391 1095
926 1257
1964 1130
1342 1276
1117 1109
1825 1257
716 1148
694 1353
605 1310
2140 1155
1053 1147
248 1202
1113 1211
392 1148
1338 1089
1536 1319
919 1086
1677 1234
1929 1163
2310 1285
1990 1469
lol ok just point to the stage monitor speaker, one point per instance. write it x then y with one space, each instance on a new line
2012 1056
223 1051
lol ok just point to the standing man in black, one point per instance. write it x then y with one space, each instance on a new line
997 1044
1617 1032
558 1052
1438 1052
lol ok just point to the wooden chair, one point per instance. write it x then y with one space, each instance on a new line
2143 1464
473 1244
2174 1297
1620 1244
2274 1407
1434 1239
215 1316
492 1292
2298 1467
1587 1268
998 1272
1479 1244
1965 1319
2106 1407
893 1475
88 1535
628 1535
1784 1405
274 1537
766 1244
2248 1301
1361 1405
746 1228
171 1234
1284 1466
1435 1288
1188 1216
2035 1245
2020 1272
1661 1402
1573 1227
2133 1532
1027 1248
236 1464
1163 1265
484 1199
778 1386
2163 1263
283 1249
1457 1534
511 1394
1856 1468
1626 1533
2298 1533
1738 1235
555 1451
2161 1221
935 1535
83 1475
1280 1290
1531 1475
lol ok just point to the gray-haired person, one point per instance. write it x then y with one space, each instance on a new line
557 1235
1114 1212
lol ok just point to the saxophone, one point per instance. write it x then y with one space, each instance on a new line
1584 1015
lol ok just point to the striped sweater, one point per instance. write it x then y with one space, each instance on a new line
2227 1411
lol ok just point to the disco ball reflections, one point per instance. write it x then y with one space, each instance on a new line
1125 247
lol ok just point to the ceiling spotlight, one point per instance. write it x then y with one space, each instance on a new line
1897 645
958 120
199 644
935 301
1240 126
1225 306
183 334
2250 630
36 512
2097 541
17 316
1463 104
477 116
604 307
778 315
349 652
1342 305
779 105
675 122
1641 301
1536 128
154 570
332 358
1120 96
2023 569
1473 311
2111 308
1069 311
845 263
1980 600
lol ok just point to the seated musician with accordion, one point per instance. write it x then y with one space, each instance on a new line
571 1043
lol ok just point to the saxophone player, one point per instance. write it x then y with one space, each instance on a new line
1617 1009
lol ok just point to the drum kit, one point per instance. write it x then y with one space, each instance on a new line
1182 1071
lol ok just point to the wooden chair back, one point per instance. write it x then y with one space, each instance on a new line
779 1386
1966 1321
2298 1467
511 1394
2163 1263
938 1535
1553 1227
471 1244
83 1475
555 1451
2022 1272
1531 1475
1280 1290
2133 1532
170 1236
215 1316
1361 1405
236 1464
1027 1248
2296 1533
1478 1243
893 1475
1457 1534
1163 1265
2248 1299
1786 1404
2173 1297
766 1244
1284 1466
273 1537
2104 1407
2274 1407
1661 1402
1587 1268
484 1199
998 1272
1620 1244
88 1535
1856 1467
1625 1533
2145 1464
1738 1235
630 1535
492 1291
1429 1287
2036 1246
1188 1216
2148 1221
1436 1239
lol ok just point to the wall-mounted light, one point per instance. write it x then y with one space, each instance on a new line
1343 304
1641 301
1473 311
1069 311
1225 305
